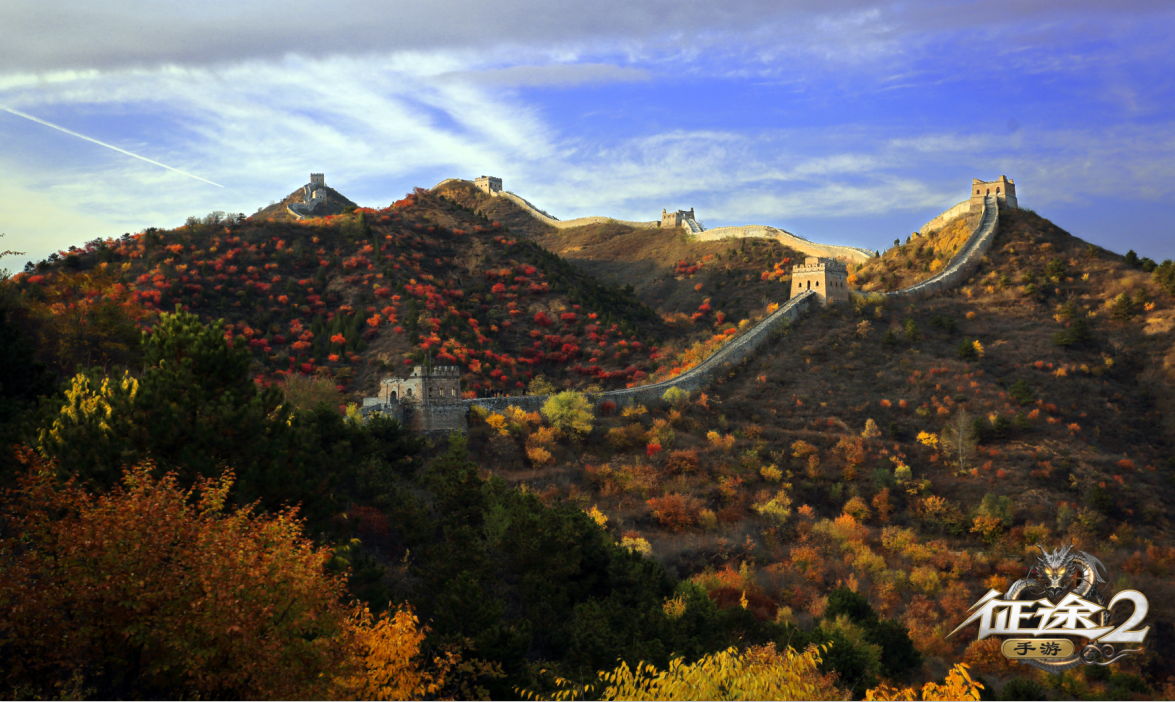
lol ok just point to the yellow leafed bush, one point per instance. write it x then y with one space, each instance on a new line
771 473
958 686
759 673
390 658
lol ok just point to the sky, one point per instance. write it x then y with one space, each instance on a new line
843 121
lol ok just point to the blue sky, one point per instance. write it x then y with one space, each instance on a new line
843 121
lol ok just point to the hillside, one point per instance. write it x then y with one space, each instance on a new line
357 296
861 481
666 269
822 462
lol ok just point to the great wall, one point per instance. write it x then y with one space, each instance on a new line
450 415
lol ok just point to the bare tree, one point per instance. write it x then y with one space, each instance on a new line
958 439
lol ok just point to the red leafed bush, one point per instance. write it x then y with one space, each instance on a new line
652 449
675 511
542 319
762 607
568 318
608 407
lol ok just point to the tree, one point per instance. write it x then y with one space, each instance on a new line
151 590
569 411
194 410
958 439
758 673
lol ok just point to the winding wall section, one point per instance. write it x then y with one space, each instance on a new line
799 243
743 346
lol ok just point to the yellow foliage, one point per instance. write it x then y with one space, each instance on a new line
726 443
498 421
637 545
857 508
538 455
958 686
935 265
777 509
978 347
84 404
674 608
928 439
390 658
802 449
597 516
771 473
633 411
926 579
759 673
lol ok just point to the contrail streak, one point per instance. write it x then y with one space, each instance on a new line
109 146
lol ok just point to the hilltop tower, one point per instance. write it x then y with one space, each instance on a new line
488 184
1004 189
317 180
672 220
828 277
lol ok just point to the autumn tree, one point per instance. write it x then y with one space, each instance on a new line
757 673
151 590
194 409
959 440
569 411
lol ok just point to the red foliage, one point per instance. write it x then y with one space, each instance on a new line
761 606
608 406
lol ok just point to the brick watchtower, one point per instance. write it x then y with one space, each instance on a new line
1004 189
828 277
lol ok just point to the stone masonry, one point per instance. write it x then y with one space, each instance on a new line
1003 188
488 184
826 277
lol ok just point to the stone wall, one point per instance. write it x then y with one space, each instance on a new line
696 378
960 210
799 243
578 222
964 262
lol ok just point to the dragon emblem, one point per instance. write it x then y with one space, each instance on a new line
1054 575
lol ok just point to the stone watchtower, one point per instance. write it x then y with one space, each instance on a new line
440 387
488 184
672 220
317 180
1004 189
828 277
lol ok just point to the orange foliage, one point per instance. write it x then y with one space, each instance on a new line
171 587
675 511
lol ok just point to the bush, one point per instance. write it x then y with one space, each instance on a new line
570 411
1077 334
1021 393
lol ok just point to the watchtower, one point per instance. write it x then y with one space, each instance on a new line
441 386
828 277
488 184
672 220
1004 189
317 180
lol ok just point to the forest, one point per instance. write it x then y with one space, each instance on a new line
193 506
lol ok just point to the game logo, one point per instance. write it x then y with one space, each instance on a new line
1047 615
